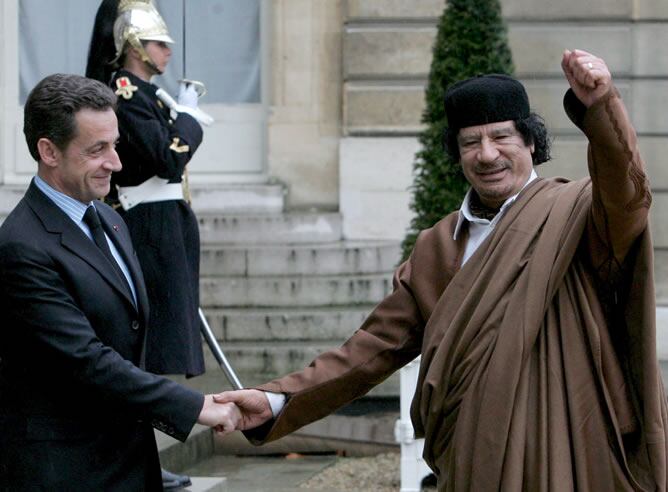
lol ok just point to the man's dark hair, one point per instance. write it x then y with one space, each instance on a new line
533 131
53 103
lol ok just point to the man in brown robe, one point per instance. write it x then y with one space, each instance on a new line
532 308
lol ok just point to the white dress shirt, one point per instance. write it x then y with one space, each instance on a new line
480 228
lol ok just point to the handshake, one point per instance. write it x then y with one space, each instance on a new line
235 410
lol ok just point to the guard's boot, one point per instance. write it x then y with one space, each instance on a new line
172 481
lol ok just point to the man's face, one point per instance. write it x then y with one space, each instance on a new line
84 167
495 160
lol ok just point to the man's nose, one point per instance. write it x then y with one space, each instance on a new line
488 151
114 162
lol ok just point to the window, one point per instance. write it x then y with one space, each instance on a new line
222 43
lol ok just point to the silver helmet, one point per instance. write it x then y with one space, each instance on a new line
137 21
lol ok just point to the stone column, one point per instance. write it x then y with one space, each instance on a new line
8 84
12 146
304 121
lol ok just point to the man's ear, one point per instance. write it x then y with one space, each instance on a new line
49 153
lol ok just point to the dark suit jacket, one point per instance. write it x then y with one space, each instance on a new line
76 412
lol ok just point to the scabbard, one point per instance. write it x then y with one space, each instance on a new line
218 352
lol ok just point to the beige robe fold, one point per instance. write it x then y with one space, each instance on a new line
521 384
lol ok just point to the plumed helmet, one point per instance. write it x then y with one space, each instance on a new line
138 20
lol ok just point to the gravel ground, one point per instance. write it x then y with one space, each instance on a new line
379 473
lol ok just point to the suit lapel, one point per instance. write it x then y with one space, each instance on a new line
56 221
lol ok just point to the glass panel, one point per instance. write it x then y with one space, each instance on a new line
222 44
54 37
222 47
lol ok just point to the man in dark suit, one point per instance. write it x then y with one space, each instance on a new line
76 410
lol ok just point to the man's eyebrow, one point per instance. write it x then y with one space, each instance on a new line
96 144
503 130
469 136
100 143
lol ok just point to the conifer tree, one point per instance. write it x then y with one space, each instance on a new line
471 40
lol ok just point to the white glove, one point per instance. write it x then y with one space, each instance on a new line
187 95
198 114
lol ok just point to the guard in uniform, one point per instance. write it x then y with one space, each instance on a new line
129 45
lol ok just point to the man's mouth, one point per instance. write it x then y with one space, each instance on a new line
491 174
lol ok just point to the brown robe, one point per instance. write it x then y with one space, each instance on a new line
538 367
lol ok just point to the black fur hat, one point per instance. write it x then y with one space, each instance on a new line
485 99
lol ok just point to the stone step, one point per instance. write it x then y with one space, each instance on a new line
177 456
662 334
293 291
291 227
241 198
262 325
207 484
332 258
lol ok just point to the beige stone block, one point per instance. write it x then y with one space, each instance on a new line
377 164
387 52
297 44
658 219
383 215
648 110
329 81
654 151
569 154
394 9
547 97
647 59
567 9
295 114
569 158
661 275
306 63
375 176
382 109
538 48
651 9
307 163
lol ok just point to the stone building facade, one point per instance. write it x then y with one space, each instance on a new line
300 245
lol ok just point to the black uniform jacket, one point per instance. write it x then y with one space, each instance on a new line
151 143
165 233
75 409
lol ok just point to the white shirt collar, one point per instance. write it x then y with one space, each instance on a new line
465 210
74 209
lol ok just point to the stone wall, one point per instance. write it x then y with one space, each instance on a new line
305 101
386 57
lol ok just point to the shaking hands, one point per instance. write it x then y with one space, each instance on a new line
222 417
235 410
